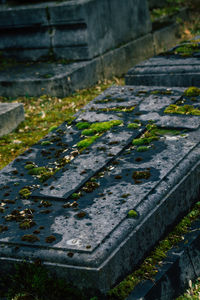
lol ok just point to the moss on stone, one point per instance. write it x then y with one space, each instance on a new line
142 148
29 166
165 131
87 142
133 125
192 92
83 125
43 173
144 140
132 213
95 130
25 193
99 127
52 128
118 109
87 132
182 110
187 49
161 92
36 171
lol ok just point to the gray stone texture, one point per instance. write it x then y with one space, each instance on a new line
32 79
172 68
181 265
95 242
11 115
72 30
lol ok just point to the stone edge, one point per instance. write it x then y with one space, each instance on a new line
181 265
87 73
11 118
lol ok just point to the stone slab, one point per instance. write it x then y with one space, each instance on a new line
60 80
11 115
181 265
82 209
71 30
173 68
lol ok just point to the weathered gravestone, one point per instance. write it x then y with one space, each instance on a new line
73 30
11 115
179 66
94 196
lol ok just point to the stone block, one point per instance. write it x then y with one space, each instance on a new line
74 31
103 200
180 66
11 115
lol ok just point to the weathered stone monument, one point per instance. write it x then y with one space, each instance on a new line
71 45
74 30
178 67
94 196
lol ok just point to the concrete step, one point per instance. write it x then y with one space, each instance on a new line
11 115
103 206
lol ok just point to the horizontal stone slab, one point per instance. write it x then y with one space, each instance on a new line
91 209
11 115
57 27
59 80
179 66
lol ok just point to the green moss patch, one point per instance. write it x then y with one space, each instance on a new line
133 125
118 109
182 110
43 173
132 213
25 193
144 140
142 148
87 142
100 127
188 49
94 130
192 92
83 125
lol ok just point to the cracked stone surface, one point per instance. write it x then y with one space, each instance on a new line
84 203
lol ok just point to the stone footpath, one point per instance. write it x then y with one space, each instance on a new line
94 196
